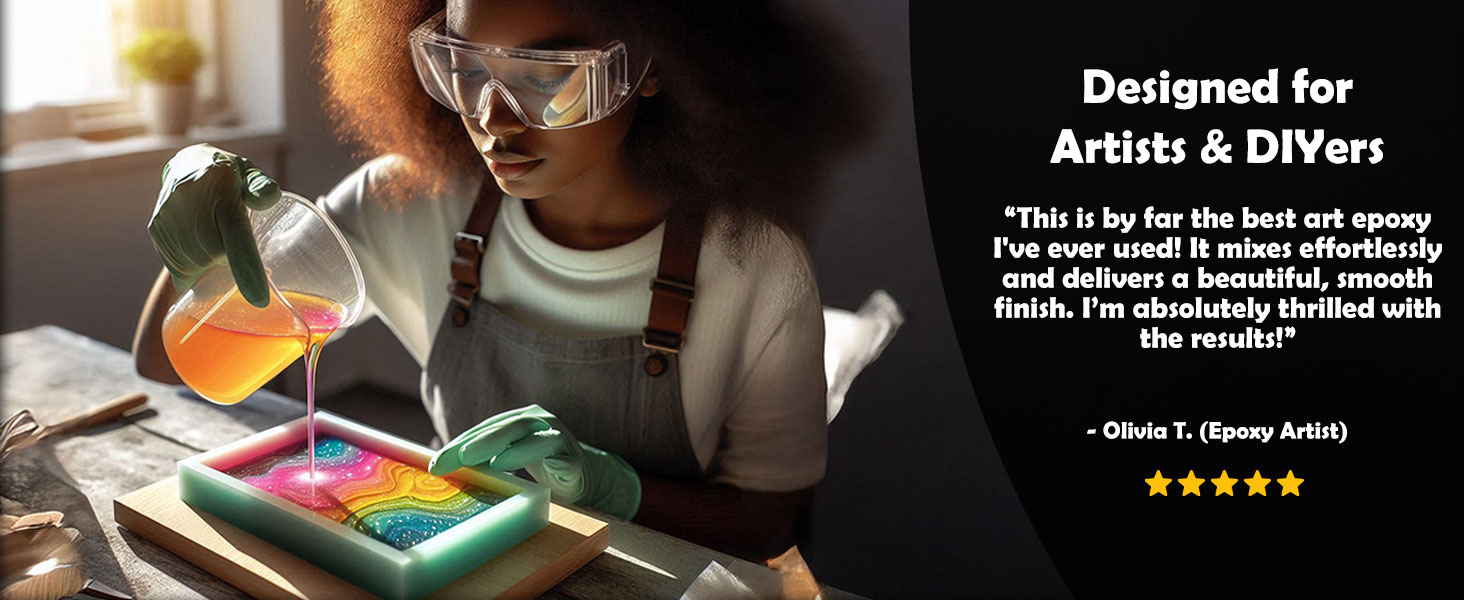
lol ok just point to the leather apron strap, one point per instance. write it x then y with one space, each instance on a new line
468 247
674 286
672 289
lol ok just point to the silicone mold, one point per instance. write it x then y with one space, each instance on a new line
372 564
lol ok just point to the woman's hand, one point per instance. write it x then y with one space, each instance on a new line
202 217
534 439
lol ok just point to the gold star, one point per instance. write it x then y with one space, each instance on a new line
1257 484
1224 484
1290 484
1158 484
1191 484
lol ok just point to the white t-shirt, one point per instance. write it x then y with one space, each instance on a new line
752 372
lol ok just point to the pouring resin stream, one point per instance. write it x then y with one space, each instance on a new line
322 316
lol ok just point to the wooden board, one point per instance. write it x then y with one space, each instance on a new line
264 571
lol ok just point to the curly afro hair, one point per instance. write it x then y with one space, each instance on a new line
756 101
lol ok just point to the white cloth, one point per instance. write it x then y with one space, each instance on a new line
852 340
752 374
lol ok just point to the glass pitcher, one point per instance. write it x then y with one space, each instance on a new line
225 348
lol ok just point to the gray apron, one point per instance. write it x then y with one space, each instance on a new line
617 394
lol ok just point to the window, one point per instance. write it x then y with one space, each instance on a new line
63 71
61 65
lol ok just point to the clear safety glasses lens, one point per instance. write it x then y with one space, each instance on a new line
546 89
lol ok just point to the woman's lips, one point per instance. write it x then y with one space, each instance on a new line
511 171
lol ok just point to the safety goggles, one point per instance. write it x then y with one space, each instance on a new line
547 89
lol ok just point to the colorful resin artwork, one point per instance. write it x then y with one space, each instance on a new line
388 500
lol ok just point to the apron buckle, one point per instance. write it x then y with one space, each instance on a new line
664 341
469 242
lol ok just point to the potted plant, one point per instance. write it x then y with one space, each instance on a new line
165 60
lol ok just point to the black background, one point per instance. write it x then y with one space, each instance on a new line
993 87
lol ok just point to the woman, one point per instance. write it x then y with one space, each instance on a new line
637 157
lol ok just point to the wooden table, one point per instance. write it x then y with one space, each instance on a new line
55 372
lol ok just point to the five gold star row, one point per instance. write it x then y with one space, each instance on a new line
1224 484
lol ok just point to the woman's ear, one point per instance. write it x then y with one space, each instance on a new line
651 83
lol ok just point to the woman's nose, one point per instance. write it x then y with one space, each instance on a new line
498 118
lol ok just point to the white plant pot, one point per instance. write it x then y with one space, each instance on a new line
166 108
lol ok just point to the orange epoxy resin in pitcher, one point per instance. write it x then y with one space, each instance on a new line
238 348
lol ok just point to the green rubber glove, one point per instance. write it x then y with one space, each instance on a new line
202 218
534 439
